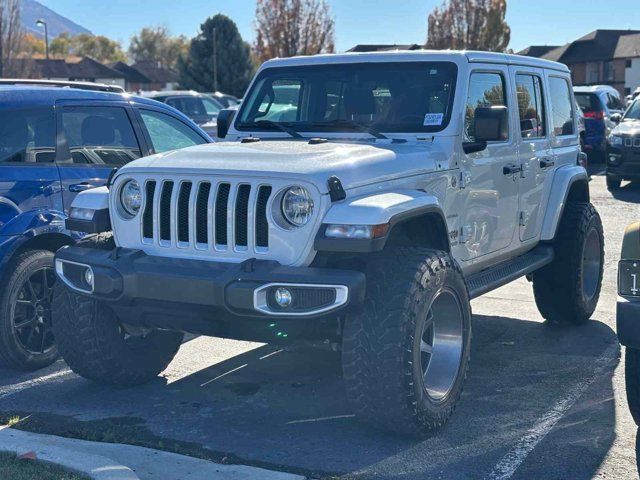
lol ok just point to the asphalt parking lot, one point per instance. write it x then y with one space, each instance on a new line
541 402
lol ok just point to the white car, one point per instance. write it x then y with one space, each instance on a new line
362 199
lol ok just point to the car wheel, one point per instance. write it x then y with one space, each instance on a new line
406 355
567 290
26 337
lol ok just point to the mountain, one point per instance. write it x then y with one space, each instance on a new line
31 11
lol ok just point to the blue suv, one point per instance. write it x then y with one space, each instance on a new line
54 143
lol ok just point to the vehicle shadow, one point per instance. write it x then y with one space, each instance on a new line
287 408
629 192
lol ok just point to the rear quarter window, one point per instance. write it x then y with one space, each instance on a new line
561 107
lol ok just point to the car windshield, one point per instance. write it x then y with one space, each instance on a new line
379 97
633 113
195 107
588 102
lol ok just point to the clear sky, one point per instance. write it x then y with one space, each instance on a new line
540 22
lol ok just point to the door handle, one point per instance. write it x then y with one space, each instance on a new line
511 169
80 187
546 163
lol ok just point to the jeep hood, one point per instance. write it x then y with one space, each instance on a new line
356 164
629 127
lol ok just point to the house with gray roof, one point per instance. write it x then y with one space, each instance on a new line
602 57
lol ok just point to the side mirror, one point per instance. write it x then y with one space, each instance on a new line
225 118
491 124
615 118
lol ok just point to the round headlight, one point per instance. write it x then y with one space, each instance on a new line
131 197
297 206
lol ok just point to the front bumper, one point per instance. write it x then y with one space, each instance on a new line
623 163
628 322
127 278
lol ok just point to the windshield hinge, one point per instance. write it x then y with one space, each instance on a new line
336 192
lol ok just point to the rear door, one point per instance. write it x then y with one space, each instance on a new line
29 181
534 148
94 138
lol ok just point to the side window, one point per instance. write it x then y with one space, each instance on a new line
485 90
27 136
561 109
100 135
614 102
168 133
530 106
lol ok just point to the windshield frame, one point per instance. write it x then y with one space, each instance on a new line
313 127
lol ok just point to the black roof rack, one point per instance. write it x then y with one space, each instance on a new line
99 87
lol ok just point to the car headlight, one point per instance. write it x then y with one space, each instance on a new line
297 206
131 197
615 140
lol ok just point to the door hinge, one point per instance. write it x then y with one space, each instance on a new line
524 217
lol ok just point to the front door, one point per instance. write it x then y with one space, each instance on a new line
491 177
534 148
95 139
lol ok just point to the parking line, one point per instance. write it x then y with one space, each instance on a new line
272 353
223 375
320 419
506 467
9 390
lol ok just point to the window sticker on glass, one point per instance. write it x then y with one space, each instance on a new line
431 119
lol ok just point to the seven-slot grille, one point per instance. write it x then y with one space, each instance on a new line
632 142
203 215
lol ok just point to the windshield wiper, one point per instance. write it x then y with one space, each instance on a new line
279 126
351 123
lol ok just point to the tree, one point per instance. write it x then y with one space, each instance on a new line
469 25
12 41
33 45
155 44
234 65
98 47
285 28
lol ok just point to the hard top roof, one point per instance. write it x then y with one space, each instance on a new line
418 55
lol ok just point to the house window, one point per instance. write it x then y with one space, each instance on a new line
593 72
608 71
627 63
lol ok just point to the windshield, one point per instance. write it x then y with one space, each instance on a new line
195 107
633 113
385 97
588 102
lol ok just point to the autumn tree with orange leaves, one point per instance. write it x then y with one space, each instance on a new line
469 25
285 28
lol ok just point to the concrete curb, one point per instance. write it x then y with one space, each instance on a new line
106 461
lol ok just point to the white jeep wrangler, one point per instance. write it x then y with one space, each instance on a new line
359 198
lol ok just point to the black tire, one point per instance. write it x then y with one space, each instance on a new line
25 298
613 183
94 343
632 381
567 290
381 354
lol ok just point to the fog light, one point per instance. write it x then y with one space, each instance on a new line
88 277
283 297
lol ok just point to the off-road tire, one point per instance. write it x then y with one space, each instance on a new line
613 183
12 353
92 341
382 374
558 287
632 381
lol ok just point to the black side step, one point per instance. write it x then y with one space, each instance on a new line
503 273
